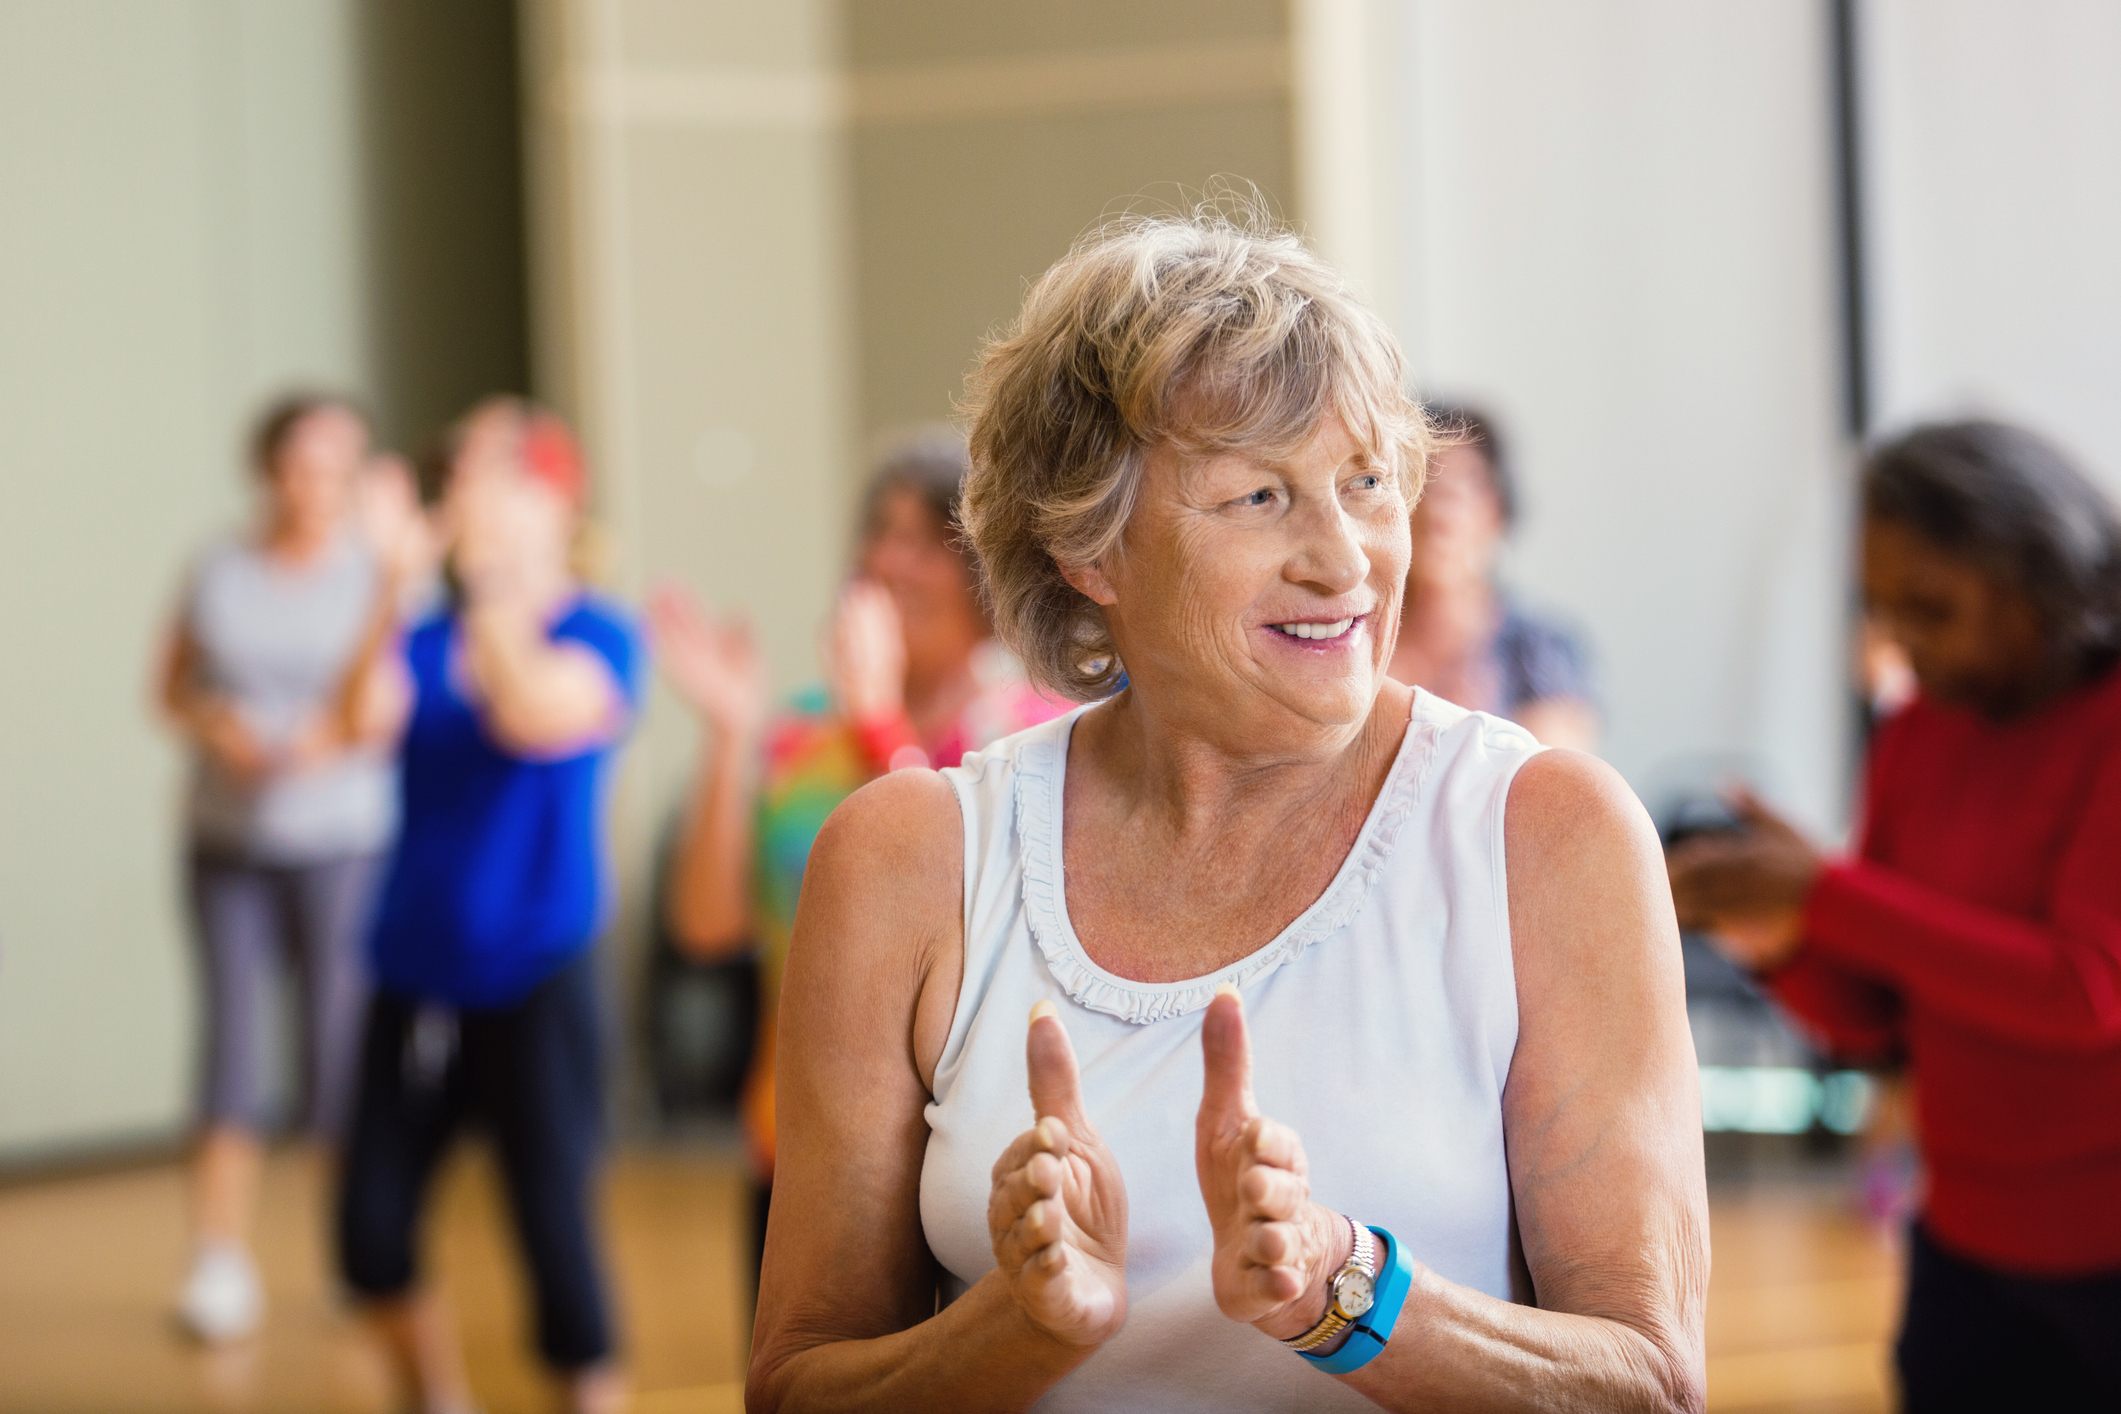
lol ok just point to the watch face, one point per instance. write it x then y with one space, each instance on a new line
1355 1293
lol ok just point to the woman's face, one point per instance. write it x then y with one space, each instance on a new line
1258 592
313 474
496 514
907 552
1458 525
1972 639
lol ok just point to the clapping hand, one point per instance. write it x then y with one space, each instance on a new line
714 665
237 749
1058 1209
866 654
1274 1247
395 524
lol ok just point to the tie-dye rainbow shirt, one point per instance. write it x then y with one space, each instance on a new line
814 760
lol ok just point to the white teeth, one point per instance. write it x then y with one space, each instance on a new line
1332 630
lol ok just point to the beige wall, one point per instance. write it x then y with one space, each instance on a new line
2007 303
178 188
986 138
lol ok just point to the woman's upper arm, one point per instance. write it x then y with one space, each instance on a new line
879 929
1602 1112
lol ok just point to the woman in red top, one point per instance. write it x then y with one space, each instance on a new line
1979 925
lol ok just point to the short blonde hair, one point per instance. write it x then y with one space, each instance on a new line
1211 332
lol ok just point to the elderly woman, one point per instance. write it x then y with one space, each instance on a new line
1257 894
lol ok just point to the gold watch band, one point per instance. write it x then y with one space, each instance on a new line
1363 1259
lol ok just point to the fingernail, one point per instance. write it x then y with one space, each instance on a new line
1229 989
1045 1133
1042 1007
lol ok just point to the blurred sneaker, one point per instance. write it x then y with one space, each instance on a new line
221 1299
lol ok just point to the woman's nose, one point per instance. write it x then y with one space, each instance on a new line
1331 555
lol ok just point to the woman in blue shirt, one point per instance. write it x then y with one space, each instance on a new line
515 699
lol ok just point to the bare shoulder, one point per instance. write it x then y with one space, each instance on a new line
1586 874
893 852
879 929
1564 797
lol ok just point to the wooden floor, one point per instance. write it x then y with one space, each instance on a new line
1799 1317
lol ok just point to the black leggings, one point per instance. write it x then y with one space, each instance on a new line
1978 1339
530 1072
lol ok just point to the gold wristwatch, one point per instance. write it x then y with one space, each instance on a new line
1349 1295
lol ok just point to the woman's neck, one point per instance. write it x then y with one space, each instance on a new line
1196 774
295 543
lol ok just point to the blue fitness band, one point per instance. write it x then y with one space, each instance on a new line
1395 1278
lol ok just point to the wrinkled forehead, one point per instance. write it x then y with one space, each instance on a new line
1274 420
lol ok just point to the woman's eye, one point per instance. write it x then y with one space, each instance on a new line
1369 482
1261 497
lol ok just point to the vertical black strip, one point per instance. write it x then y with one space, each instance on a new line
1848 164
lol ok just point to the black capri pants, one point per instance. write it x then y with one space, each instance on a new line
1976 1340
530 1073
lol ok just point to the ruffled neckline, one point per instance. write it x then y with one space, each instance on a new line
1041 780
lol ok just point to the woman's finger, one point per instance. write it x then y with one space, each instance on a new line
1019 1153
1056 1084
1273 1142
1020 1188
1226 1102
1043 1224
1271 1285
1048 1136
1273 1244
1272 1193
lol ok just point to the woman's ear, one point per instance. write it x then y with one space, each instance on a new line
1090 582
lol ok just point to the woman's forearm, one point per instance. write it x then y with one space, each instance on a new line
707 904
2043 982
1464 1350
978 1353
537 698
372 699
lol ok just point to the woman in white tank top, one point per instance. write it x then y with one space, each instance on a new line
1208 1019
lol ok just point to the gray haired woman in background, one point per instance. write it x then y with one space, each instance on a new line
291 801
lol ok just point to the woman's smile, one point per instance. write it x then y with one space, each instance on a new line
1318 635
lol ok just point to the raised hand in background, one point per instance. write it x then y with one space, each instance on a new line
866 653
714 664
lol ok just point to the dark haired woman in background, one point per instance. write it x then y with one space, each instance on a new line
1465 639
514 699
915 678
1979 924
289 809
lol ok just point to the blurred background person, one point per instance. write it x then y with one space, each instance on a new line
1464 637
914 678
1979 923
290 806
514 701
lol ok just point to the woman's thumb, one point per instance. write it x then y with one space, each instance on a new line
1226 1055
1056 1085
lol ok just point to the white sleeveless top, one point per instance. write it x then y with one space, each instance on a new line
1382 1020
